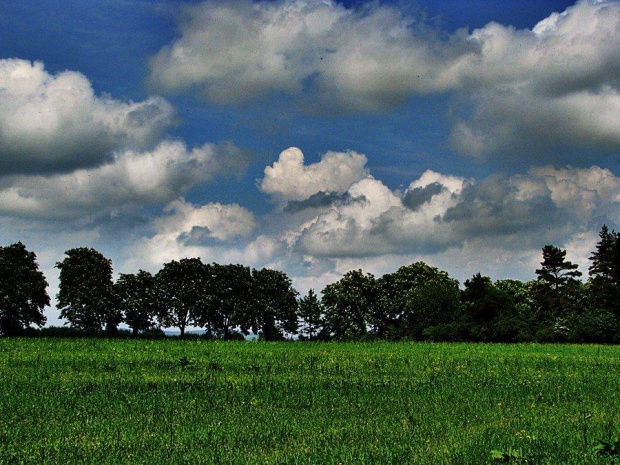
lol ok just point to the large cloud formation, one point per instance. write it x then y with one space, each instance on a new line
439 211
56 123
363 59
516 91
130 179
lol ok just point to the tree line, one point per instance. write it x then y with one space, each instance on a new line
416 302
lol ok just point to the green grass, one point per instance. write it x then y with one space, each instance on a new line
111 401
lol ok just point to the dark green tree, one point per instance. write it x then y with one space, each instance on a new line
274 309
349 304
604 283
488 310
412 299
86 297
311 314
23 290
606 258
555 271
182 289
228 292
558 293
136 297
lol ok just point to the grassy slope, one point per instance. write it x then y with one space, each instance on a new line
168 401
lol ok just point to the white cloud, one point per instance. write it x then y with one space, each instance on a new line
290 180
187 230
130 179
54 123
438 212
555 85
367 59
517 92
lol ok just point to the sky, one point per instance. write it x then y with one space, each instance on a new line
310 136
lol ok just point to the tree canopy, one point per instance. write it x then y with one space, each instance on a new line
23 290
85 297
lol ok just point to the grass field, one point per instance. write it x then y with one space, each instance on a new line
170 401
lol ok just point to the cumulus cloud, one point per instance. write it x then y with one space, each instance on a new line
188 230
56 123
516 92
288 179
437 212
555 85
130 178
364 59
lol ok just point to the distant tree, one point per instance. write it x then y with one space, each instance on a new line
604 284
555 270
85 296
485 308
23 290
311 314
228 298
606 258
274 308
522 318
182 292
349 304
558 293
412 299
136 297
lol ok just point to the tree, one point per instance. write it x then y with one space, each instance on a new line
485 308
604 285
85 296
555 271
349 304
228 298
311 314
412 299
558 293
23 290
136 297
606 258
274 308
182 289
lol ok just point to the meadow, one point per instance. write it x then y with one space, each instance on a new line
172 401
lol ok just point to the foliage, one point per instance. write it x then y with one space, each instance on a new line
136 297
85 298
348 305
180 287
274 308
228 297
23 290
311 314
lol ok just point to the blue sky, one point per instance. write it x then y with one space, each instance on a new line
310 136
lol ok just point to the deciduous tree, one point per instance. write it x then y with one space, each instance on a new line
23 290
274 308
85 296
182 290
136 297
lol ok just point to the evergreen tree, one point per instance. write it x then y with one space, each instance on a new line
311 314
558 293
555 271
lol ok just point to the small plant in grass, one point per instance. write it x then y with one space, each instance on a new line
610 449
510 456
